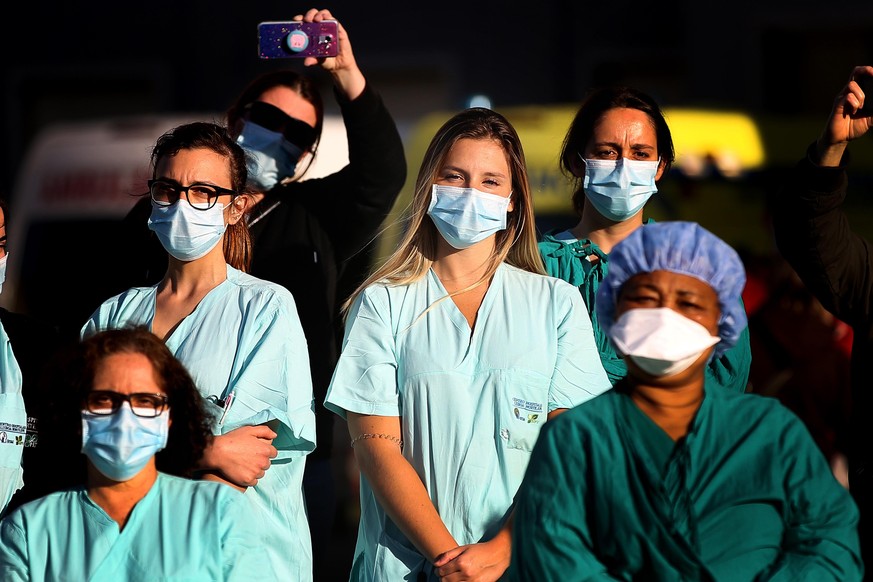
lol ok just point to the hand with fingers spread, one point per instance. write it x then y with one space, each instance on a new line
845 123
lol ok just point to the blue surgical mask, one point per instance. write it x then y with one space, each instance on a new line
186 232
619 189
121 444
3 271
270 157
465 216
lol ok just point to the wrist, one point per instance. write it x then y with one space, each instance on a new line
827 154
349 81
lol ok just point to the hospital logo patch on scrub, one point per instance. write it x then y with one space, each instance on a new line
527 412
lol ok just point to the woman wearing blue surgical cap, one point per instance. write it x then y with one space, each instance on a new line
239 336
142 428
669 477
456 352
616 150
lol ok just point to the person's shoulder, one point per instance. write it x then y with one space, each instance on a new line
44 505
133 295
251 285
751 406
554 286
594 416
553 245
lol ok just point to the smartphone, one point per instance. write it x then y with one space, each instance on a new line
866 84
295 40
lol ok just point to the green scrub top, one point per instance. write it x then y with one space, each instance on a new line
471 404
573 260
746 495
181 530
245 338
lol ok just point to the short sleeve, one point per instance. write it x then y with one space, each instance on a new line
579 373
271 377
13 550
365 378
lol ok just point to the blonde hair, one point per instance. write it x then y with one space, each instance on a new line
516 245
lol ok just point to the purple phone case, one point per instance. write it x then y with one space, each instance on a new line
295 40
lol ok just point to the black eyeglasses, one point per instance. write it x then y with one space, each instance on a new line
106 402
200 196
300 133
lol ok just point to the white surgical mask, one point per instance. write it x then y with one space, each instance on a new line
660 341
3 271
121 444
465 216
270 157
186 232
619 189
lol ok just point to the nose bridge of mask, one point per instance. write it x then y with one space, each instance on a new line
641 172
469 201
621 172
660 333
465 216
270 156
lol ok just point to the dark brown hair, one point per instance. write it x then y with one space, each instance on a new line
203 135
596 103
190 431
281 78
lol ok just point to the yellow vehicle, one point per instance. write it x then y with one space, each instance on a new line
727 163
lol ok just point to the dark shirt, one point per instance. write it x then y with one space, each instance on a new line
813 233
312 237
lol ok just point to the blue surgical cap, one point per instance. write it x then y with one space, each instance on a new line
680 247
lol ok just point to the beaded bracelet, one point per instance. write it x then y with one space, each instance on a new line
368 435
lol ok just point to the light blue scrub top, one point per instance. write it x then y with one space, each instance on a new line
13 422
181 530
245 336
471 407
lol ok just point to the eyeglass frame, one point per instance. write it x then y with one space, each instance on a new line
118 399
178 189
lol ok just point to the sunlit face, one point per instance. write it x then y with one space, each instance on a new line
623 133
477 163
126 373
292 103
202 166
686 295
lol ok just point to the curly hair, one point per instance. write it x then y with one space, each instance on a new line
190 431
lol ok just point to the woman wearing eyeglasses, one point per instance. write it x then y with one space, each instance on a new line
310 235
142 426
238 336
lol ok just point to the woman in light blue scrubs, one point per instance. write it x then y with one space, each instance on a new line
456 352
143 427
239 336
13 418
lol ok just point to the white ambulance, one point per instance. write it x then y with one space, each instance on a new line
76 183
